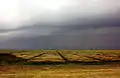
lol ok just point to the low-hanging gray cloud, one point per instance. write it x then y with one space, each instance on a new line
81 24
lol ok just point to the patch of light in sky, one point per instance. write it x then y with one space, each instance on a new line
15 13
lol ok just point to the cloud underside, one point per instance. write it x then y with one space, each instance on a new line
100 33
80 25
101 38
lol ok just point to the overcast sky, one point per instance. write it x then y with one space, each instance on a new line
60 24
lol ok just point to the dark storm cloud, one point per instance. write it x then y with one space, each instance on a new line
98 33
40 28
76 25
84 41
81 25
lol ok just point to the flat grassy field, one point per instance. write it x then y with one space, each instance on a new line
63 64
61 71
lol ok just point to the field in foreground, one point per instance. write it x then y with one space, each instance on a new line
61 71
73 64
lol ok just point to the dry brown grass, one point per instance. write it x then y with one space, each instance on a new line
72 55
63 71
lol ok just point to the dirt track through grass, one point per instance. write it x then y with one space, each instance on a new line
71 55
69 70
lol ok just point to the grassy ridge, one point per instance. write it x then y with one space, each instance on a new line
78 70
71 56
